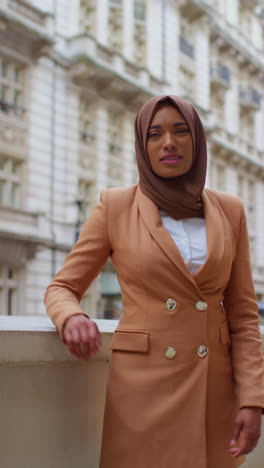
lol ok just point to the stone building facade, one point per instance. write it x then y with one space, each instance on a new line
73 74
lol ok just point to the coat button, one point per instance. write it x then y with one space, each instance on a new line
202 351
170 352
171 304
200 305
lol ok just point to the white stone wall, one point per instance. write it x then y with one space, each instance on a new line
52 167
260 224
202 64
155 37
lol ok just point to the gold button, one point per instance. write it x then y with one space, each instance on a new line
171 304
202 351
170 352
200 305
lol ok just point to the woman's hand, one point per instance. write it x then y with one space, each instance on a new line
82 336
248 421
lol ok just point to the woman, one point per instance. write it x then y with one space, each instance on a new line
186 371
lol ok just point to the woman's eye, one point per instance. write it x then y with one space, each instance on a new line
150 135
183 130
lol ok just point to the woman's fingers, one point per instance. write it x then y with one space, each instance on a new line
85 344
75 342
93 332
235 437
248 424
82 336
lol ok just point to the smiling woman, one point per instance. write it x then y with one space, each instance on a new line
170 145
186 363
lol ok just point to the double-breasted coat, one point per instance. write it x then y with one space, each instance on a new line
187 352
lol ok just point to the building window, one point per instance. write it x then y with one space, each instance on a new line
87 142
115 148
251 205
220 178
87 121
111 295
251 218
247 193
186 42
186 83
241 187
84 204
85 199
115 25
245 18
247 126
88 16
218 104
12 83
252 249
8 290
140 37
10 181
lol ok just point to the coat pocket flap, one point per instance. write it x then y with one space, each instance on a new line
134 341
224 333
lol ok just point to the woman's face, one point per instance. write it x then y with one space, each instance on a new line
169 143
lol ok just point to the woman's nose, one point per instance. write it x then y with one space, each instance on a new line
168 142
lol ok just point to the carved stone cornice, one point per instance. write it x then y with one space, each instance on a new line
99 67
237 152
16 252
25 27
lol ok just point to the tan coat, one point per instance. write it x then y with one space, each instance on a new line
173 412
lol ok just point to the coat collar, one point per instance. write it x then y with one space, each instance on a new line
214 234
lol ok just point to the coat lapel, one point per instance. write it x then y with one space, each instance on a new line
214 233
215 237
151 217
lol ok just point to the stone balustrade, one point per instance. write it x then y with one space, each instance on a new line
51 403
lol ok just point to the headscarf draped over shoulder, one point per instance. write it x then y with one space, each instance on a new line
179 196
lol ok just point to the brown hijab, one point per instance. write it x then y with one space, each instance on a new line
179 196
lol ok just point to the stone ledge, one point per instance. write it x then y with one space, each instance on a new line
34 340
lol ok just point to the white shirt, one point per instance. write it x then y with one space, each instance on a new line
189 236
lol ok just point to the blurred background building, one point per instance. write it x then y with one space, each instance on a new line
73 74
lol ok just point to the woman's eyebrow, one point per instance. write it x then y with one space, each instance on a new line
175 125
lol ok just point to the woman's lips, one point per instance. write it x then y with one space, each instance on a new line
172 158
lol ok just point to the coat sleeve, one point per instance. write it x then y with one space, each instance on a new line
242 311
80 268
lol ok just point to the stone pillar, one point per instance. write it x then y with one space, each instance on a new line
154 37
259 125
102 22
128 29
172 22
102 149
129 150
202 64
259 223
231 11
232 105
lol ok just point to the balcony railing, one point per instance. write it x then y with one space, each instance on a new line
43 386
220 75
13 131
24 12
110 71
250 98
12 109
186 46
